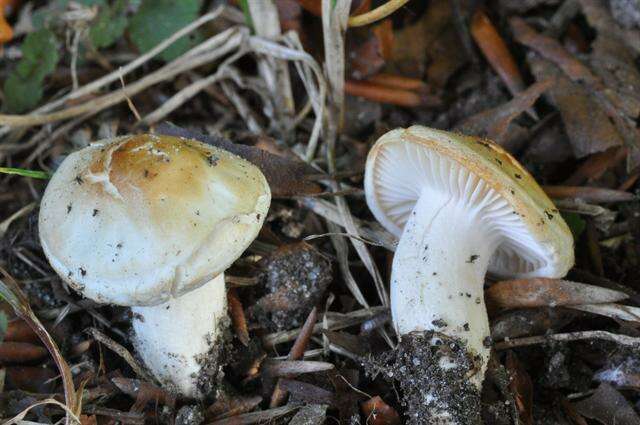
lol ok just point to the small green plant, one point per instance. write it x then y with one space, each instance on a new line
23 89
157 20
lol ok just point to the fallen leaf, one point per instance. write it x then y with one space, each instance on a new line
413 43
526 322
587 124
608 407
542 292
553 51
286 177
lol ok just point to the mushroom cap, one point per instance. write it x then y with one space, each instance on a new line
533 240
137 220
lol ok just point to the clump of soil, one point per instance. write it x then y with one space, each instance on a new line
212 363
432 371
294 279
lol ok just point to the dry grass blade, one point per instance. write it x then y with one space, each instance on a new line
275 73
122 352
390 95
210 50
543 292
10 292
115 75
4 225
19 419
615 311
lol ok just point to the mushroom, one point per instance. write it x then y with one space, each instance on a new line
461 206
152 222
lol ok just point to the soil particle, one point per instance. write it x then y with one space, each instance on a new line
189 415
429 389
294 278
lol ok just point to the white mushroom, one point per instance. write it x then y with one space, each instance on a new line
461 206
152 222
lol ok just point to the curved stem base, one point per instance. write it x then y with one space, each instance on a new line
179 340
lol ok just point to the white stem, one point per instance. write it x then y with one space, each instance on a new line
438 273
175 339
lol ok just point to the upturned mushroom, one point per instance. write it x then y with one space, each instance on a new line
461 206
152 222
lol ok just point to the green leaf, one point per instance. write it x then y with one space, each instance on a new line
23 87
25 173
575 223
4 324
109 26
157 20
20 95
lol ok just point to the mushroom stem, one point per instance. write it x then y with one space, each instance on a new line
179 340
438 277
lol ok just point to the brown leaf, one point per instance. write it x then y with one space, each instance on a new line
553 51
286 177
587 124
599 17
494 123
377 412
596 165
413 43
496 52
542 292
521 387
608 407
517 323
21 352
